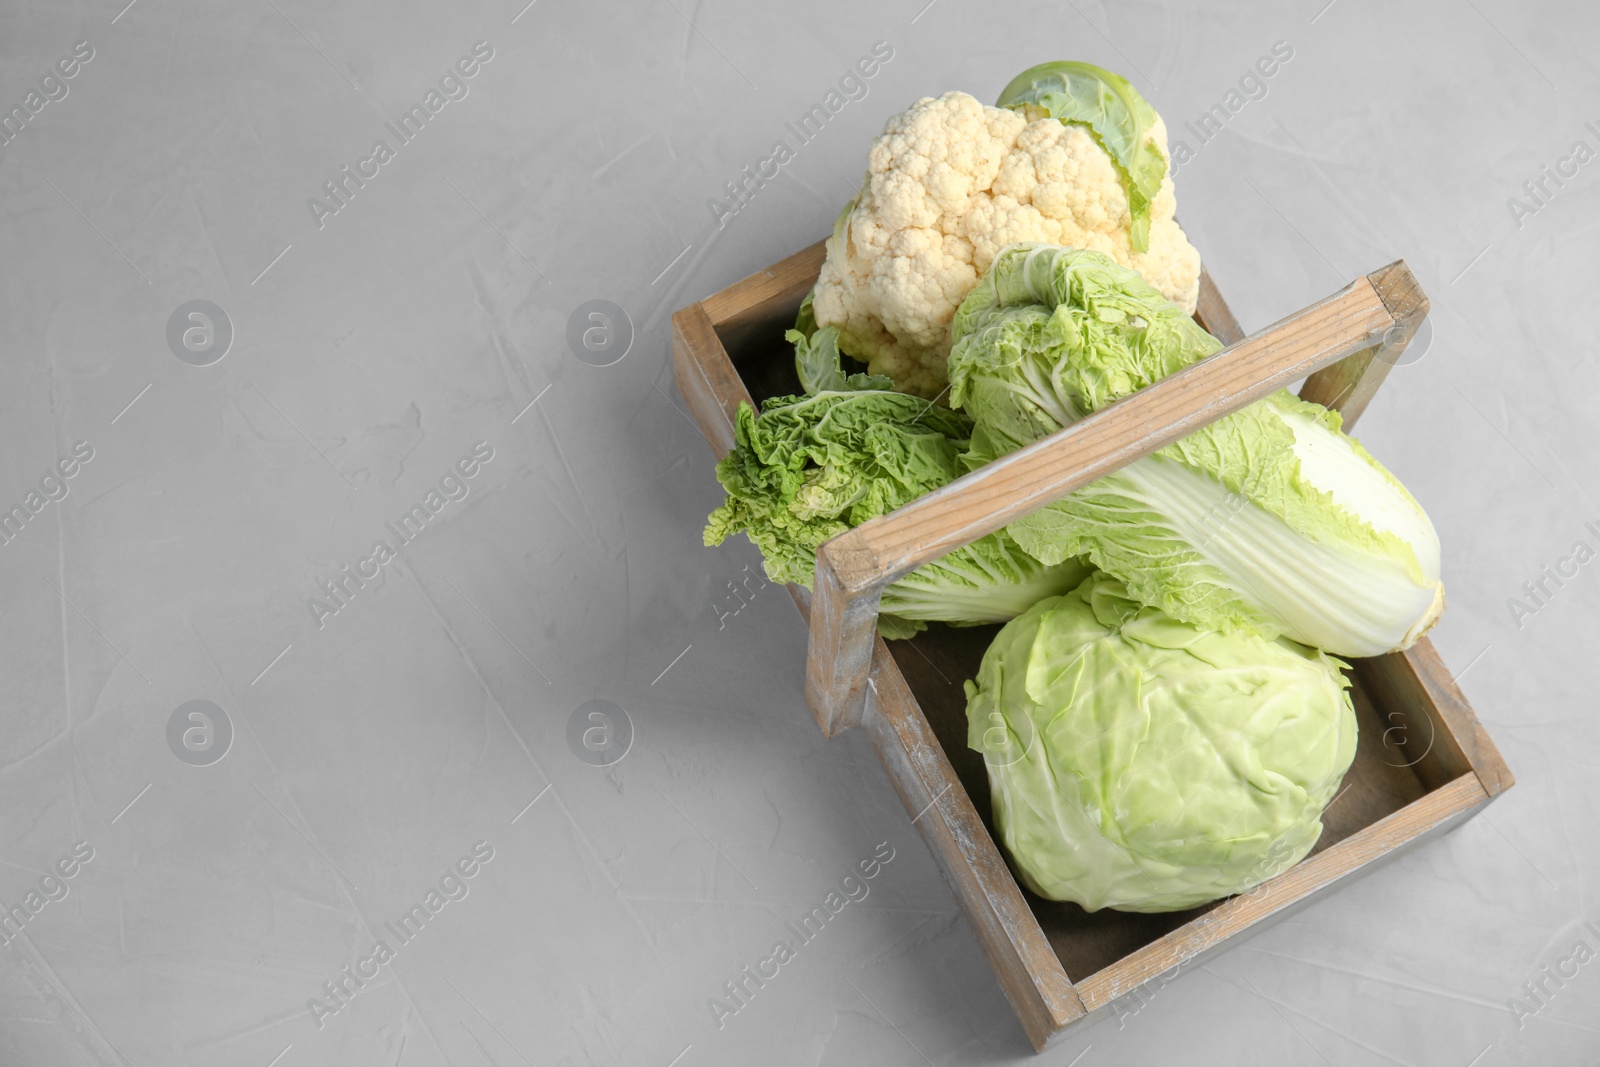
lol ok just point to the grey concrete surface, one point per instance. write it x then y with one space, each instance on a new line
367 752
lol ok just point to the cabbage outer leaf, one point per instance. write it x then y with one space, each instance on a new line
1121 120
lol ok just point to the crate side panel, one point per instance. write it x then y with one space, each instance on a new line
1022 959
763 306
706 378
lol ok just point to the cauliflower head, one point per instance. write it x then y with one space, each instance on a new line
949 183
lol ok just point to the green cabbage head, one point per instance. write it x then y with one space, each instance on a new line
1143 764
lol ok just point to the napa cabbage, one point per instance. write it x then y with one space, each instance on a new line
1270 519
810 467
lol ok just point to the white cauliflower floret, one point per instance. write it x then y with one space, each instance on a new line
949 183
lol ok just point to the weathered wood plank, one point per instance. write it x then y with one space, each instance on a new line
705 377
764 304
836 689
1213 313
1030 973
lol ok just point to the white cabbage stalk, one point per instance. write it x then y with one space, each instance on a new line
1325 594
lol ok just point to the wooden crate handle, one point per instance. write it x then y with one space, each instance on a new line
1349 385
1371 318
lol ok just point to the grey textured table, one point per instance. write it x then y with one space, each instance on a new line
420 731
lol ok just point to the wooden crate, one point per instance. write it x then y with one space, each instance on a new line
1423 764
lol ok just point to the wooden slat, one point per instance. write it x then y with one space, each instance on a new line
1026 480
765 295
855 566
1434 812
705 377
1030 973
848 623
1349 385
1214 314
